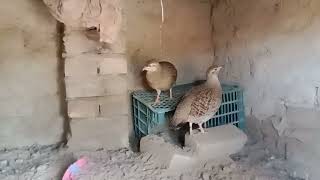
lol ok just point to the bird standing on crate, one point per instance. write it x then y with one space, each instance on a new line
201 103
160 76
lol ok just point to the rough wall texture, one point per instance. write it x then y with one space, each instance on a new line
186 38
29 92
97 92
105 15
272 50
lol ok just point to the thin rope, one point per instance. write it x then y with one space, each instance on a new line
162 21
162 14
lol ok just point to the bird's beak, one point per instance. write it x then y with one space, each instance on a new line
144 68
219 68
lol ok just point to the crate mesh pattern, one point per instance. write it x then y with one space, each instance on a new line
147 116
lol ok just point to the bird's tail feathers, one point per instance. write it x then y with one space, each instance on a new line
175 123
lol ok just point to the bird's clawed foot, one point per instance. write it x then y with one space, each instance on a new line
201 129
190 130
171 93
156 102
190 133
203 132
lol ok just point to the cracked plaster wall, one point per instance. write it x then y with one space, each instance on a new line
29 92
186 38
271 48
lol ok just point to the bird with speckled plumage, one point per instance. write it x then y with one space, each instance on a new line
201 103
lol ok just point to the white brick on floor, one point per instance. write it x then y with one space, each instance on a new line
166 154
218 142
169 155
182 160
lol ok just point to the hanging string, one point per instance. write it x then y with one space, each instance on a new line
161 29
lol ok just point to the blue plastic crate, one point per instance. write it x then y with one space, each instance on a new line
146 116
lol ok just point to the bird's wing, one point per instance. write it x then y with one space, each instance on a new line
206 101
169 71
184 107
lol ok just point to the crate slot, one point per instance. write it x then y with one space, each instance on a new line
146 116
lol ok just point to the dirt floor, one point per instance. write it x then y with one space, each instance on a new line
46 163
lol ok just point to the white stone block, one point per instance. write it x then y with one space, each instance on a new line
83 108
114 105
307 137
169 155
84 66
302 159
217 142
98 106
92 134
113 64
95 64
303 118
94 86
182 160
160 150
76 43
166 154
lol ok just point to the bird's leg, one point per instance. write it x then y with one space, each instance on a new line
190 126
201 128
157 101
170 93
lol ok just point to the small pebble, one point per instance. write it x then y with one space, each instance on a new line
205 176
233 166
4 163
19 161
42 167
36 155
227 169
24 155
128 153
272 158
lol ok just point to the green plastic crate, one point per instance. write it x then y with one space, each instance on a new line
146 116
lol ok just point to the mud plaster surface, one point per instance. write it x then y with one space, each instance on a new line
253 162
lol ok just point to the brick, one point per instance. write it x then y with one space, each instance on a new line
82 108
119 45
310 118
217 142
181 160
81 67
96 107
76 43
116 64
94 86
114 105
115 85
160 149
84 87
94 64
305 159
307 136
108 133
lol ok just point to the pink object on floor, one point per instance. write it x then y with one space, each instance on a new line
74 168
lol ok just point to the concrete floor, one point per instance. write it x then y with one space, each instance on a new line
45 163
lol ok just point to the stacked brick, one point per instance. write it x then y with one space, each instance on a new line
97 93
